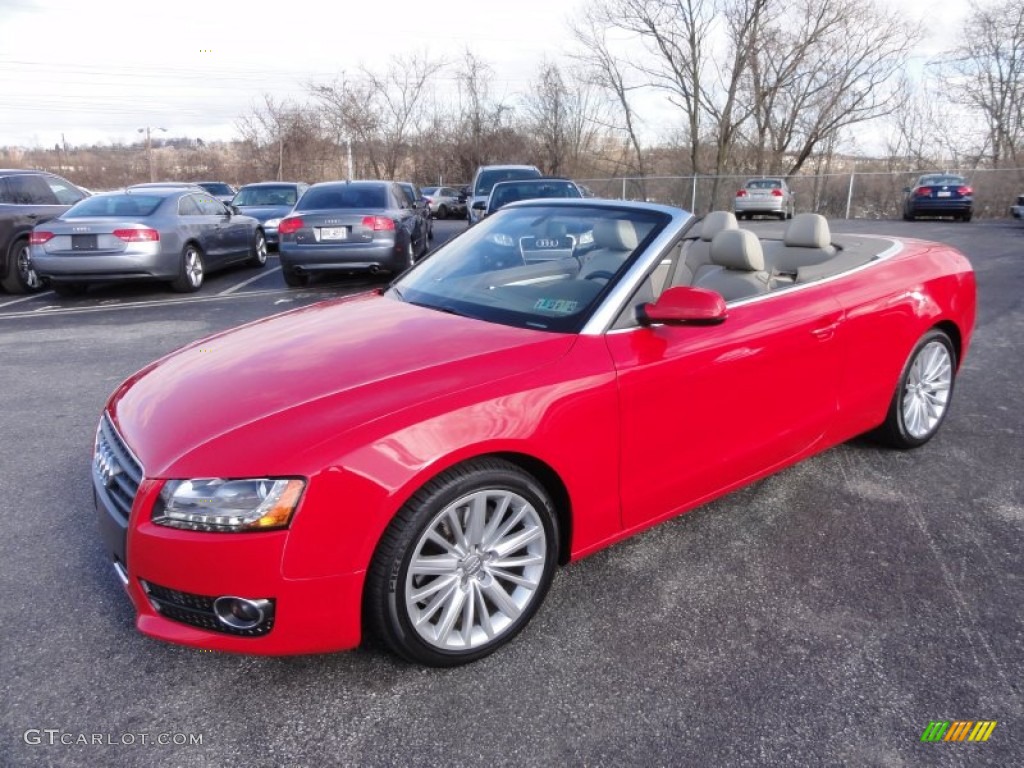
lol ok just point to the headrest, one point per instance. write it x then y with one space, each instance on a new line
808 230
737 249
615 235
715 222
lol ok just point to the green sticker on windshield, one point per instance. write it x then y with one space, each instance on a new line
564 306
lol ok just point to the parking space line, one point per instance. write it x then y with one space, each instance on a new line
253 279
51 309
26 298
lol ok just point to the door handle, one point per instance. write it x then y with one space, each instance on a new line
825 332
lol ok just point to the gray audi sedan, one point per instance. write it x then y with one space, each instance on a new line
350 226
169 234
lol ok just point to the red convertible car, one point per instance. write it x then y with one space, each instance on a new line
414 462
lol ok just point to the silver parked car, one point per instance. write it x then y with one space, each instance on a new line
445 202
350 226
486 177
171 234
764 197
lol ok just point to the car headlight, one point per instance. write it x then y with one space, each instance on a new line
500 238
216 504
271 222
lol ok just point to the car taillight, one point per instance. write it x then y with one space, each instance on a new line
776 193
290 226
38 238
137 235
923 192
379 223
741 193
964 191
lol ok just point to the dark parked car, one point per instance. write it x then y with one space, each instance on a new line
351 226
149 234
505 192
269 201
939 194
420 203
445 202
487 176
219 189
1017 210
28 198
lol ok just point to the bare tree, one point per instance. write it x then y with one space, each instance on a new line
279 136
823 66
609 70
383 110
986 73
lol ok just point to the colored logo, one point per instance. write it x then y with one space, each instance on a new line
958 730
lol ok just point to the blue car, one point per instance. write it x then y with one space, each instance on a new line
269 202
939 194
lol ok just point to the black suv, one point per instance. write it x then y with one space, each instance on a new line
28 198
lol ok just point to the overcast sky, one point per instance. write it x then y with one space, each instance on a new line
98 70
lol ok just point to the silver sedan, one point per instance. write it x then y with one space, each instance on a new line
174 235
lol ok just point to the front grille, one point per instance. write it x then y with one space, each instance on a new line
197 610
117 471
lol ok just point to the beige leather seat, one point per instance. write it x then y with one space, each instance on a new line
615 240
697 253
737 267
807 241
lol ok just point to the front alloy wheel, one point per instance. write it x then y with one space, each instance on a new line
464 565
258 255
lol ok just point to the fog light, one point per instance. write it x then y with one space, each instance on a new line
240 613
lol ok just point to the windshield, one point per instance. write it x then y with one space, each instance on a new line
114 205
266 196
543 266
343 196
489 178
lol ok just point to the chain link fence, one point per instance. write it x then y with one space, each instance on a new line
851 195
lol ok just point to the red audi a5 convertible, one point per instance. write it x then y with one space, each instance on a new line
414 462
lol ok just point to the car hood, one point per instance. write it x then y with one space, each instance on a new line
264 212
292 380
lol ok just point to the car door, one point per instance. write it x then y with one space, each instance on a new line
218 229
203 226
705 408
411 220
238 233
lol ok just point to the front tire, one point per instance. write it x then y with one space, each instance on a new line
922 397
464 565
192 272
20 277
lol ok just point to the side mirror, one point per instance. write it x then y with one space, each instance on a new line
480 205
683 305
234 209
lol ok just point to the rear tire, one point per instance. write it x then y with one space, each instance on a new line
442 212
294 279
66 290
192 272
258 252
20 277
923 394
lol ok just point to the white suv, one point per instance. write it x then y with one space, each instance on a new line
487 176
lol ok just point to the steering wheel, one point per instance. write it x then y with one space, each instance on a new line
601 274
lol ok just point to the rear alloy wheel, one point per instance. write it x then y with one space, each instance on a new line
922 397
192 272
464 565
258 253
20 277
68 289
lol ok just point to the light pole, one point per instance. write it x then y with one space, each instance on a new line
149 148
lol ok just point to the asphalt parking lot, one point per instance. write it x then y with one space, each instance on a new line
823 616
